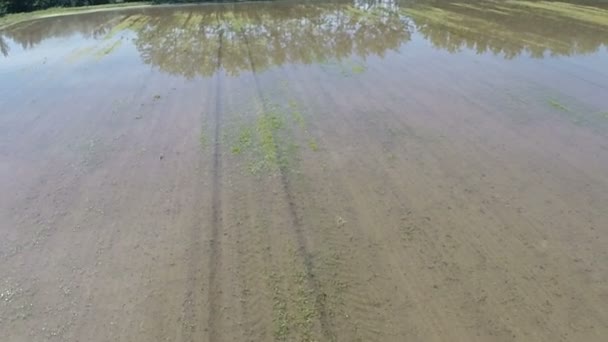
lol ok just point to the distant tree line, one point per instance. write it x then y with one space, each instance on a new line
17 6
14 6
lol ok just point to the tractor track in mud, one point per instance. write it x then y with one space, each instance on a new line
216 205
194 288
296 225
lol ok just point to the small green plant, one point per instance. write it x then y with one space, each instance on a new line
267 126
244 140
280 318
298 118
80 53
313 145
108 49
202 139
296 114
555 104
305 312
260 141
358 69
268 141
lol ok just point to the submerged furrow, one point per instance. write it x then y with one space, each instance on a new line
296 224
216 206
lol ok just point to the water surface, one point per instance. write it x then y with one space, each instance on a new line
331 171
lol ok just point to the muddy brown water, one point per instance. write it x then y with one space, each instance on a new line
387 171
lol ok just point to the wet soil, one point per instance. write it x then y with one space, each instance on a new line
413 171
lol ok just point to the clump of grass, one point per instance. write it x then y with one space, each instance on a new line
352 68
313 145
298 118
575 117
80 53
305 312
358 69
557 105
267 126
244 140
280 318
134 22
261 140
293 307
108 49
269 142
481 8
296 114
237 24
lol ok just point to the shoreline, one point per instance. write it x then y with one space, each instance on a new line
16 18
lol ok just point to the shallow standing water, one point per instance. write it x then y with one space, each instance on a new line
386 171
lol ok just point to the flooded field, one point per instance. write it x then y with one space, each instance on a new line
363 171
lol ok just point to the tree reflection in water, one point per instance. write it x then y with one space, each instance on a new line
185 40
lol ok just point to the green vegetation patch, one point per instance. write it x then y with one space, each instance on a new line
244 140
267 127
261 140
294 311
280 318
312 143
557 105
305 312
351 68
296 114
80 53
269 142
134 23
590 14
482 9
358 69
108 49
302 313
580 114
